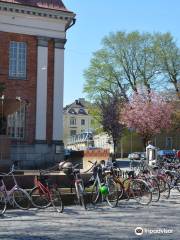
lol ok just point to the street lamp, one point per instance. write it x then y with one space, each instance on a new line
131 131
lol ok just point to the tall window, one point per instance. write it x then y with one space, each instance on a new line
17 59
82 121
16 124
72 121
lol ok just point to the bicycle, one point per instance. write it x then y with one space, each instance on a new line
152 183
133 187
73 173
162 179
173 179
104 186
44 194
16 196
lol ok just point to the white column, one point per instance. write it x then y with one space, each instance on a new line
58 90
41 93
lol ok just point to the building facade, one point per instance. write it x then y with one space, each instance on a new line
104 141
76 120
32 41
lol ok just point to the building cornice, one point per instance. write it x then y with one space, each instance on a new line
59 43
36 12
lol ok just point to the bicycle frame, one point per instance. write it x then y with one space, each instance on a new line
8 193
78 182
43 189
97 181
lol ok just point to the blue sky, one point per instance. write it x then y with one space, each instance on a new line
97 18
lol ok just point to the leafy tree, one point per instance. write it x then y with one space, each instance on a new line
168 55
148 114
103 77
126 61
109 111
134 54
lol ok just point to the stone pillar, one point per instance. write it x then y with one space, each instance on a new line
58 91
41 93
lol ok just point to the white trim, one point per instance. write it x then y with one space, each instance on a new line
58 94
24 24
30 10
41 94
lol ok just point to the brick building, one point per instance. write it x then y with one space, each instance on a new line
32 39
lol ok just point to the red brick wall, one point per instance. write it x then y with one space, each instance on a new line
26 89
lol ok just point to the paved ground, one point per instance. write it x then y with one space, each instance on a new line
96 223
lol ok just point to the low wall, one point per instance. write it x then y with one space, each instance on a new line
94 155
82 157
26 179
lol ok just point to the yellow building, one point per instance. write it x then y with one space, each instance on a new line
76 119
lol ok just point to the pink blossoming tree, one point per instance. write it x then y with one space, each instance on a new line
147 114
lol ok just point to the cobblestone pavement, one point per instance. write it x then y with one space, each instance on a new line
96 223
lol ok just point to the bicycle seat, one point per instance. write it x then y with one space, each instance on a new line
76 171
131 174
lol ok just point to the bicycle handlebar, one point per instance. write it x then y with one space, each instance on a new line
44 171
76 165
9 173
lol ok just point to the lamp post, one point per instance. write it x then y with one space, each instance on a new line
131 131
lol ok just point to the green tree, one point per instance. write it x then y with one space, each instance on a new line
168 55
125 62
103 77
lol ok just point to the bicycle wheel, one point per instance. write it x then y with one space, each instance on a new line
81 195
177 184
56 200
112 197
164 188
95 194
141 191
2 203
154 186
40 198
21 199
120 189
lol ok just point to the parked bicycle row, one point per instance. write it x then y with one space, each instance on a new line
106 184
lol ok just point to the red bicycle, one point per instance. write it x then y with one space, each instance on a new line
46 194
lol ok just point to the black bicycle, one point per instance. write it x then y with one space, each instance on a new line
73 173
